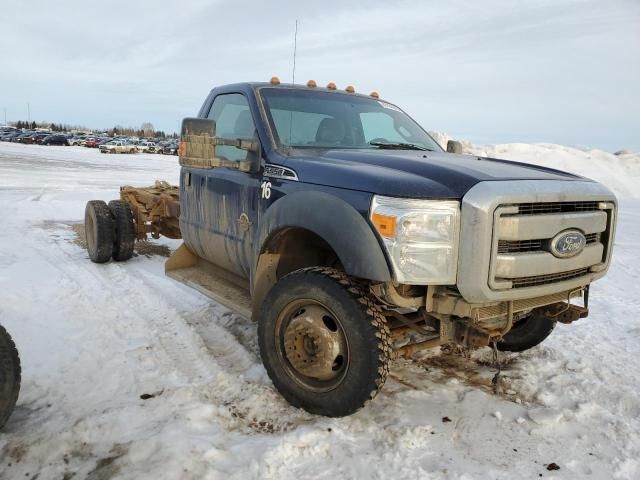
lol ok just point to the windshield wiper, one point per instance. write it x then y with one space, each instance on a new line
399 146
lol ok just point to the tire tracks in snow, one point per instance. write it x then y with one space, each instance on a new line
208 355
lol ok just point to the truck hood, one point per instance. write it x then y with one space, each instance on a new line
410 173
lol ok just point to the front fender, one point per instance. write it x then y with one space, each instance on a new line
335 221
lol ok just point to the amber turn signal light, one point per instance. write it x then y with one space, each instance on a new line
385 224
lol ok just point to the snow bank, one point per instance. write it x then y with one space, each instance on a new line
621 173
97 339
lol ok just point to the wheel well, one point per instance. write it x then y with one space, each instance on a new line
299 248
286 251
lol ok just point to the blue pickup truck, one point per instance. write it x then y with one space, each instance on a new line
338 224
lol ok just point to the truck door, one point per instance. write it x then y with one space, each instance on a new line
221 216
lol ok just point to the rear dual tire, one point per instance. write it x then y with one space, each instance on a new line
125 234
99 231
109 231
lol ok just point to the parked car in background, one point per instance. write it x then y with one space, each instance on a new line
117 146
93 142
42 136
55 140
170 149
146 147
27 138
9 136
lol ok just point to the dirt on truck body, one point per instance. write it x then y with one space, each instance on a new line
339 225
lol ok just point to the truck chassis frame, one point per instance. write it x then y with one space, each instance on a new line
155 209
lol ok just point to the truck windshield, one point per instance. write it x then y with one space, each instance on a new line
320 119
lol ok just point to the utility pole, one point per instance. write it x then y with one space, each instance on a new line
28 112
5 115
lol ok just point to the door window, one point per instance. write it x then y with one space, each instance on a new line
233 120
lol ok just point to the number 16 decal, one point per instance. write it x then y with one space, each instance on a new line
266 190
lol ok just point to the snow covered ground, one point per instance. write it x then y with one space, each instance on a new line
95 338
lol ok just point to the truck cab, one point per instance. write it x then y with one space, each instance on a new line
338 224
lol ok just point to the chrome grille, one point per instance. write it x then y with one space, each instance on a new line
518 246
522 255
556 207
524 282
490 212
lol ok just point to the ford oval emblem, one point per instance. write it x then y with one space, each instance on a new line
568 243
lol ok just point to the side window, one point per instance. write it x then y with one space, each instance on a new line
233 120
379 125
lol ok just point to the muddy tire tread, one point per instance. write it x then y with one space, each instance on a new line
12 372
104 231
358 292
125 233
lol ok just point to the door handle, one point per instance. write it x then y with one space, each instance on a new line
243 222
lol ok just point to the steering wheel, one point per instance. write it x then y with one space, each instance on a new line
380 140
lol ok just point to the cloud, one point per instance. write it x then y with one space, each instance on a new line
563 71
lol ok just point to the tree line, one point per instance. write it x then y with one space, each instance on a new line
145 130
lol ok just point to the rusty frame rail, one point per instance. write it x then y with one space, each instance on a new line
156 209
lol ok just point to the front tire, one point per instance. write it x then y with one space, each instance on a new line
324 342
10 376
527 333
99 231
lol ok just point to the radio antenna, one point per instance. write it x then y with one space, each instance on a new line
293 79
295 48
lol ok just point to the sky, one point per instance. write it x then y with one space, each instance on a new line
487 71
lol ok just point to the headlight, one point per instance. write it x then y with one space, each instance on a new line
421 237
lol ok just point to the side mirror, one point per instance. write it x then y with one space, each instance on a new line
454 146
198 143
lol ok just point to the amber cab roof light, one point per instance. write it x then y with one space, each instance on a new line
330 86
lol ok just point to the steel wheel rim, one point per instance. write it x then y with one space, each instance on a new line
89 231
312 345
